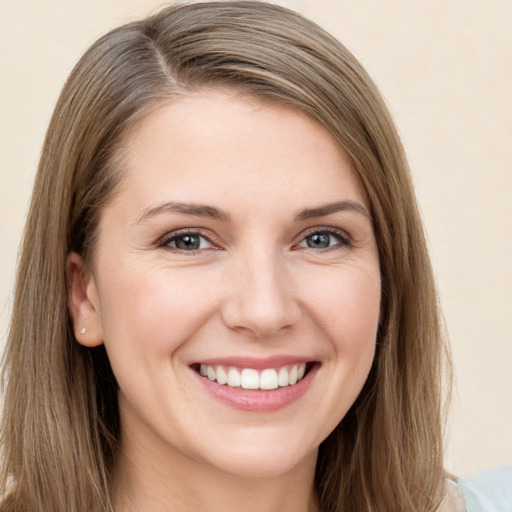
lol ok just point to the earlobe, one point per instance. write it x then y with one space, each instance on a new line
83 302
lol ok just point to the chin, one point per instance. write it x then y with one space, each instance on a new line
257 460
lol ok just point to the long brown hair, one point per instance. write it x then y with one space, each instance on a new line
60 427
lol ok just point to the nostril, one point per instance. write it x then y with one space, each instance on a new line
261 300
261 321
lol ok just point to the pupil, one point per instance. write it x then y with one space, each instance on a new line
188 242
318 240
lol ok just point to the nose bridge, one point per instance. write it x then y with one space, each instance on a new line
262 300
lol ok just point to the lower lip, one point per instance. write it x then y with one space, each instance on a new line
256 400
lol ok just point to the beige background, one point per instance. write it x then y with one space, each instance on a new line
445 67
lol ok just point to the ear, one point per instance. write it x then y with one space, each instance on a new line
83 302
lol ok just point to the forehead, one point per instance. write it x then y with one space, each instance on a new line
220 143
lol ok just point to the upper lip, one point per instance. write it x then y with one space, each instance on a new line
256 363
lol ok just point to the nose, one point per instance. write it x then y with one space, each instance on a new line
261 300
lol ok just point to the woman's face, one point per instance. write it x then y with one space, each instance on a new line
240 247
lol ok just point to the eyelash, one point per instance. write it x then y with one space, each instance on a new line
176 235
341 236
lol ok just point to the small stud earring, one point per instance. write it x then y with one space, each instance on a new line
83 330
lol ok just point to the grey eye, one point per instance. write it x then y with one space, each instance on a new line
324 240
187 242
320 240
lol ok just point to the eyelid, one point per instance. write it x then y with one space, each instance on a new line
172 235
344 238
342 235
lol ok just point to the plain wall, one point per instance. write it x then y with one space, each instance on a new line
445 67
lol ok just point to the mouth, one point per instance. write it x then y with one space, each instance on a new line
256 384
249 378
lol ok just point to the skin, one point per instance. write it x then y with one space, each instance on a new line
253 288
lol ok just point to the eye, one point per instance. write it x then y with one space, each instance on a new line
188 241
320 239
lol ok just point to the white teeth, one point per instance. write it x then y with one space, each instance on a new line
283 379
249 378
233 378
293 375
210 373
268 379
222 376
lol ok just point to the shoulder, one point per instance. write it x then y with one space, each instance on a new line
453 500
488 491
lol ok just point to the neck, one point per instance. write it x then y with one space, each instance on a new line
157 482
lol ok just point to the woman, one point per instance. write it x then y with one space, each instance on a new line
218 296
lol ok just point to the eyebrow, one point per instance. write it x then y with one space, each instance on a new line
198 210
201 210
328 209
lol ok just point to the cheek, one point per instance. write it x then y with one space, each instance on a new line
346 315
157 310
348 307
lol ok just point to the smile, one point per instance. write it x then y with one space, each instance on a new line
250 378
253 385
